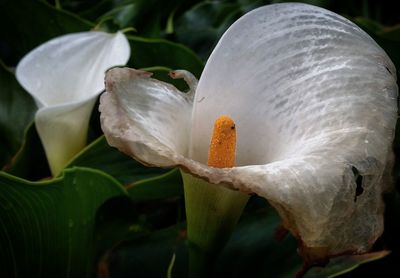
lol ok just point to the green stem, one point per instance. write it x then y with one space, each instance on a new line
212 212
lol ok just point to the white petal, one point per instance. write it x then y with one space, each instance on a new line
314 101
312 96
65 75
71 68
144 117
281 67
63 131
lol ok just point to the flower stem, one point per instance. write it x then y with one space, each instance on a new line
212 212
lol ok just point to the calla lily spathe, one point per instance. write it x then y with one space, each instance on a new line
65 75
314 101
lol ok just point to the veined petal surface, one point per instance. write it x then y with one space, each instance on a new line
146 118
314 100
285 73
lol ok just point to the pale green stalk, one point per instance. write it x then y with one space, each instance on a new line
212 212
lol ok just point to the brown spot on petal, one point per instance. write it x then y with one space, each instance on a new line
140 73
280 232
172 74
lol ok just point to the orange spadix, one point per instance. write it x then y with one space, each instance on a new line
222 151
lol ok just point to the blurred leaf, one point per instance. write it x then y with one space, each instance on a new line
391 48
387 38
202 26
92 11
122 15
147 53
132 13
158 200
85 7
392 225
392 33
17 110
149 255
161 187
344 264
157 203
47 227
30 162
148 17
368 25
37 221
26 24
251 252
99 155
254 251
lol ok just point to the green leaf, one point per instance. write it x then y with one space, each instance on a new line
254 251
26 24
47 227
147 53
88 9
164 186
392 33
251 252
344 264
387 38
17 110
149 255
99 155
157 204
30 162
141 15
202 26
368 25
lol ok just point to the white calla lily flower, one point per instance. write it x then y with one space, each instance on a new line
314 102
65 75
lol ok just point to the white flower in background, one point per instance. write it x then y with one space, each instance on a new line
314 102
65 75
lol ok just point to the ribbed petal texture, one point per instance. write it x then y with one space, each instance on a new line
314 102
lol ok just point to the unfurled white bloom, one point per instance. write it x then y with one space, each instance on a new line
65 75
314 101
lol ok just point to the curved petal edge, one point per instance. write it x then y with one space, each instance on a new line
65 75
314 100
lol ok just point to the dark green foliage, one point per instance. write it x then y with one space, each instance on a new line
110 216
13 119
